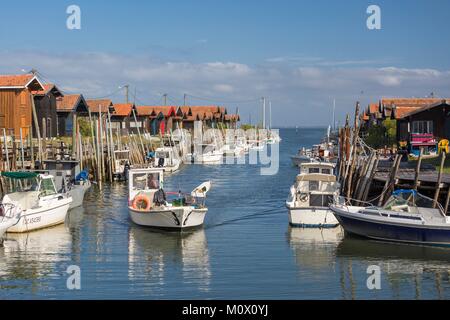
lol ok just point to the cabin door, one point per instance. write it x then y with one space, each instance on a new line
25 128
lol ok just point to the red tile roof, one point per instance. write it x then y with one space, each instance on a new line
399 107
374 108
123 109
67 103
154 111
408 102
47 88
97 104
19 81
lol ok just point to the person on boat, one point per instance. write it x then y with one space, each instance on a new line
152 183
160 197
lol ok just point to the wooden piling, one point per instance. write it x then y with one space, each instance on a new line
417 171
439 180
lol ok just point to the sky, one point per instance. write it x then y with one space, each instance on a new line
300 55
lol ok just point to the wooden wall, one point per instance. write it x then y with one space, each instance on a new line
15 111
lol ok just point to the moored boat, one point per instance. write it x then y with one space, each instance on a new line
37 202
407 217
149 206
309 199
166 158
69 179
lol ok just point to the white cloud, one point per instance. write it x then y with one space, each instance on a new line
303 93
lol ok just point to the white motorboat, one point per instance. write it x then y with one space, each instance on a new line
407 217
166 158
314 190
208 154
148 204
69 179
303 156
233 150
38 203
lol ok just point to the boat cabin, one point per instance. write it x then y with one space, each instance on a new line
317 168
315 186
62 170
24 184
145 181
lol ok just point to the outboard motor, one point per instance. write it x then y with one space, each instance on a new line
126 168
161 162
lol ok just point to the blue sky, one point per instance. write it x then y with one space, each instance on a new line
300 54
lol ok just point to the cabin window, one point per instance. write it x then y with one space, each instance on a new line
314 170
422 127
313 185
143 181
135 124
47 188
319 200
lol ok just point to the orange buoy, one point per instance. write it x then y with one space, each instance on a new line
141 202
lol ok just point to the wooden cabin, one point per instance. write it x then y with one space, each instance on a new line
68 108
432 119
16 102
45 102
122 117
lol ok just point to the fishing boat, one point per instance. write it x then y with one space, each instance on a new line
166 158
36 200
303 156
69 179
309 199
407 217
121 163
149 205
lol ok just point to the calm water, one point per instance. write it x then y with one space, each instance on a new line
245 251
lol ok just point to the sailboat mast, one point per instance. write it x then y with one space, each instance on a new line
334 115
264 113
270 115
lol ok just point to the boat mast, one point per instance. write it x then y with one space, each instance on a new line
270 115
334 115
263 112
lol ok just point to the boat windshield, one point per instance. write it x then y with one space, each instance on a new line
146 181
47 187
405 200
162 154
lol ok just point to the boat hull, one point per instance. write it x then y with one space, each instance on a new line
77 194
312 217
43 217
175 218
4 225
395 232
208 159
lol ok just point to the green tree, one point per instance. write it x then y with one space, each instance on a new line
85 127
384 134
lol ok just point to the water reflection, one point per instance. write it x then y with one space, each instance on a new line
155 256
26 258
405 268
315 248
